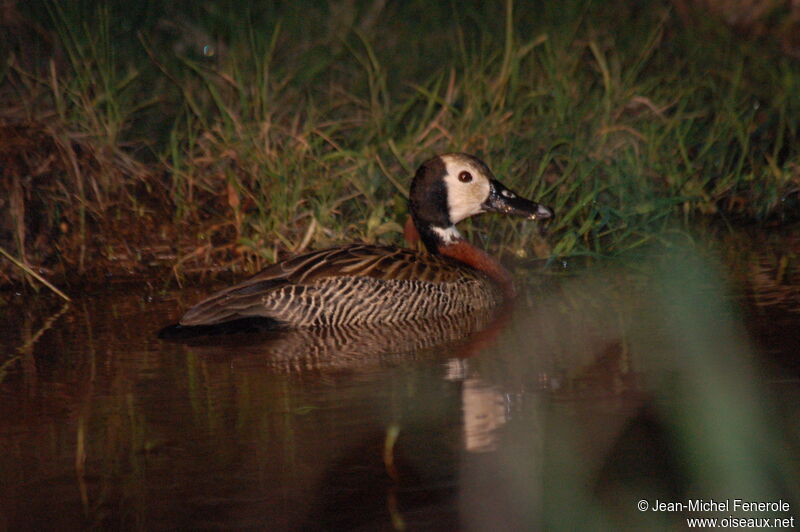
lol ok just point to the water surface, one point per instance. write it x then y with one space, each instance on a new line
594 392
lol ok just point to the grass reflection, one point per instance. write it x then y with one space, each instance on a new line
600 390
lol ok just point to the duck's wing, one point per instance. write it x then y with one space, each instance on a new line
357 260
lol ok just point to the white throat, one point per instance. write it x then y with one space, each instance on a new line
448 235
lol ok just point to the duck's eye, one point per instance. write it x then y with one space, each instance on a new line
465 177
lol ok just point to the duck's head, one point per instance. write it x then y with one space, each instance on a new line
451 187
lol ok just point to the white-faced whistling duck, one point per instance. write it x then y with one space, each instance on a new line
361 283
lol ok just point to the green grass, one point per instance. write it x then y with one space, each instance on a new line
276 129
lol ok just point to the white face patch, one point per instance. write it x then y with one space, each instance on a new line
447 234
464 199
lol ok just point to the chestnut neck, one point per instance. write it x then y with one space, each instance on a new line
460 250
463 251
410 232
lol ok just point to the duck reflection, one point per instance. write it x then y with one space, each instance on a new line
357 346
485 410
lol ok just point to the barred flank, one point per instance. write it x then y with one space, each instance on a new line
351 285
366 300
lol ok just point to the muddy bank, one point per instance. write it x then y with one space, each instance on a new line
78 212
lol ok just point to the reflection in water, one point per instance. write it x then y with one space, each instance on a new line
484 412
484 407
659 400
593 394
769 273
356 346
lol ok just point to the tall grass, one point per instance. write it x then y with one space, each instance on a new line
281 128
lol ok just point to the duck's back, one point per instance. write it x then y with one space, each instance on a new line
351 285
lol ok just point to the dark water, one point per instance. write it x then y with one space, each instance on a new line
595 392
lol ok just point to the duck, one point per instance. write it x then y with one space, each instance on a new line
366 284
